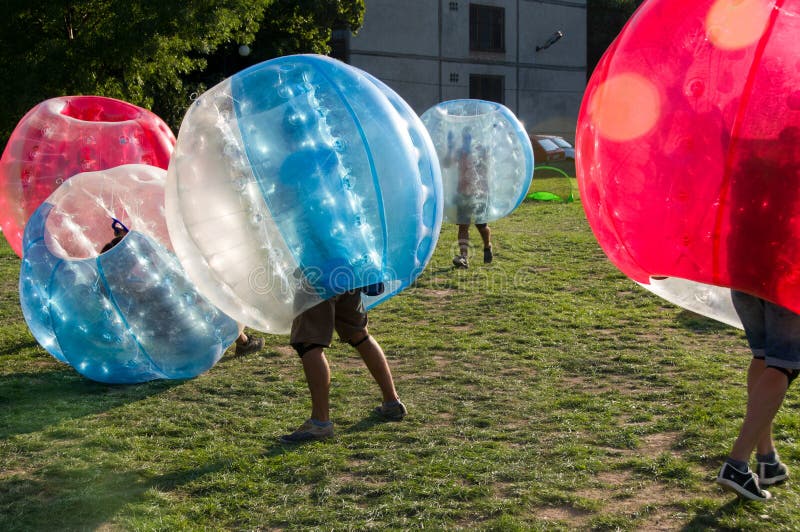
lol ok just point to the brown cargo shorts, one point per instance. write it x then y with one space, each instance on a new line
343 313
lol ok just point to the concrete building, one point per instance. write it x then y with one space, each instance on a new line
529 55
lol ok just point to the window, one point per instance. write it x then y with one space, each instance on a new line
453 6
453 77
561 142
487 31
548 144
488 88
340 45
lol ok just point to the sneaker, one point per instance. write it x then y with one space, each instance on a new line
745 484
487 255
772 472
253 345
460 262
394 411
310 430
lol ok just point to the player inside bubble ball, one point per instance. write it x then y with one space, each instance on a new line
245 344
472 192
312 333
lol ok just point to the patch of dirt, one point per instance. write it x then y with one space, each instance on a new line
621 494
284 350
108 527
347 361
574 517
439 368
436 297
361 478
8 473
606 332
661 442
664 519
585 385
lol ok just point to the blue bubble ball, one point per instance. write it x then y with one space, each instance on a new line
128 314
486 159
298 179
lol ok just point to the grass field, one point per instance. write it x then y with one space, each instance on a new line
546 391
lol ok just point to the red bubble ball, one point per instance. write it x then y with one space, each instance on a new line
688 146
68 135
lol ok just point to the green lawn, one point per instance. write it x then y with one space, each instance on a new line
546 391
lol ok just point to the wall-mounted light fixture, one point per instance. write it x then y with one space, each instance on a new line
554 38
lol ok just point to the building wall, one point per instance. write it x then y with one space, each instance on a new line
421 49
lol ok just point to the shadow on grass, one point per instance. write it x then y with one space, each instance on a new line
231 356
366 424
699 323
84 498
710 520
32 401
89 497
18 346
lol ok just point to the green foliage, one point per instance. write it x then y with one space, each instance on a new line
151 53
604 20
303 30
545 390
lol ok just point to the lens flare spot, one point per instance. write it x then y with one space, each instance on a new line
735 24
625 107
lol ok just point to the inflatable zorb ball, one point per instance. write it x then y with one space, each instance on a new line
688 151
125 315
68 135
298 179
486 159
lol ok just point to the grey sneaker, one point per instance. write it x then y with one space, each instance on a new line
394 411
770 473
253 345
744 484
460 262
310 430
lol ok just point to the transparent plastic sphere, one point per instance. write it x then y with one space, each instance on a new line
125 315
296 180
688 151
68 135
486 159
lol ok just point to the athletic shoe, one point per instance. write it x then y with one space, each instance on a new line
745 484
309 431
253 345
487 255
391 411
460 262
770 473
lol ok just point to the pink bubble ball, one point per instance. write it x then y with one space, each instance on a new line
64 136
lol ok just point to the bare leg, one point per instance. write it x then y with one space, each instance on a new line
375 360
318 377
463 239
486 235
766 390
764 445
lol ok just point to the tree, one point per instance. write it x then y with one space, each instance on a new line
605 19
287 27
151 53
